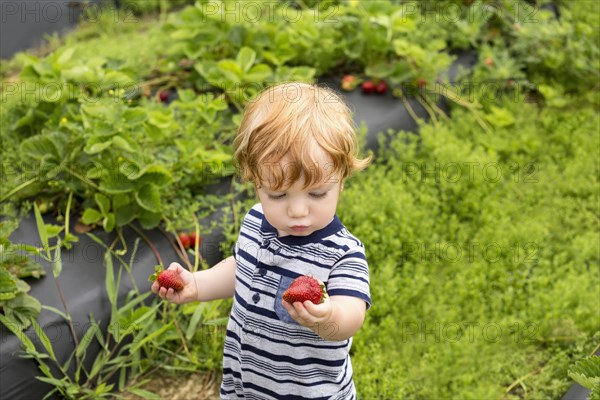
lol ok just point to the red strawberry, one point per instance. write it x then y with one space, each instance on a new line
368 87
185 240
193 239
167 278
305 288
163 96
489 61
381 87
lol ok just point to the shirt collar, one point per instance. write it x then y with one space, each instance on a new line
270 232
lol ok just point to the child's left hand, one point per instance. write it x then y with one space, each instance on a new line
309 314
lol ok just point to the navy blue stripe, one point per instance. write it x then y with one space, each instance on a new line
294 381
357 254
358 278
256 214
276 395
291 360
247 256
295 372
334 245
349 292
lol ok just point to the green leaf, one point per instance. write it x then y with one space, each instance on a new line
122 144
8 285
48 147
147 338
55 310
157 175
148 197
259 73
41 227
231 71
23 338
57 260
162 119
91 216
144 394
117 183
109 280
109 222
500 117
124 215
245 58
44 339
86 340
22 309
20 265
66 55
194 321
98 147
135 116
586 371
149 220
54 230
103 203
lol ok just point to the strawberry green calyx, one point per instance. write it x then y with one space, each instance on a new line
157 270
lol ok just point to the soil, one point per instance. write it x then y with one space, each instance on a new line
198 386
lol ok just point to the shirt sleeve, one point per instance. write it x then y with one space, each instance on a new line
350 276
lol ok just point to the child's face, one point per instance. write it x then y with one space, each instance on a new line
299 211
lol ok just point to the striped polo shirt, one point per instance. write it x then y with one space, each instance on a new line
267 354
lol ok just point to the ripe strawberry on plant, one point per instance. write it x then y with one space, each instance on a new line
163 96
185 240
305 288
381 87
193 239
167 278
368 87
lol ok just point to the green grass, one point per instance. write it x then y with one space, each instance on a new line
479 279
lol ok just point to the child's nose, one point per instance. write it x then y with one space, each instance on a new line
297 209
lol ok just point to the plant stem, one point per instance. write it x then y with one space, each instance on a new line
68 214
18 188
187 351
177 251
425 105
409 108
148 242
85 180
198 257
69 318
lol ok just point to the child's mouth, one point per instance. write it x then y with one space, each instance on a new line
299 228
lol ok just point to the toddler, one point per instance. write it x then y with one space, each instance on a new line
297 144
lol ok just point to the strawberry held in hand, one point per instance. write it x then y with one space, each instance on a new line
305 288
167 278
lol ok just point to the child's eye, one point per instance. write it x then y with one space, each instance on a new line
276 196
318 195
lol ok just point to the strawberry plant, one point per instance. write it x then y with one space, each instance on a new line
141 335
16 263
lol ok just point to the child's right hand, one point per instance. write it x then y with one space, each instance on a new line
185 295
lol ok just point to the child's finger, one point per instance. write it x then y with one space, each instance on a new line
290 309
175 267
